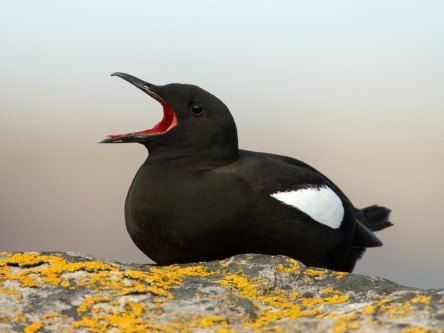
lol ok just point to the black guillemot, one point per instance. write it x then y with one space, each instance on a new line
198 197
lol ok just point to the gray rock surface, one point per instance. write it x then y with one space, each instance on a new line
65 292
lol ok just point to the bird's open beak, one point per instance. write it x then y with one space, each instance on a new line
168 122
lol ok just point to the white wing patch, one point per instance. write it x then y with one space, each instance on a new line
321 204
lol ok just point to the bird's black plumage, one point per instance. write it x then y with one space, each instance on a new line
197 197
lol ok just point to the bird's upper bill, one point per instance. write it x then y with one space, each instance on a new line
168 122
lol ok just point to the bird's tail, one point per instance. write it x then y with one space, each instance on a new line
368 220
375 217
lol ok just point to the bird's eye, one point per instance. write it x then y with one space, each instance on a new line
196 109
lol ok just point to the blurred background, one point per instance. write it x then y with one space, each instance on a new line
354 88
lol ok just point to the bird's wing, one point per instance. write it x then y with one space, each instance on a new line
298 185
294 184
296 210
362 234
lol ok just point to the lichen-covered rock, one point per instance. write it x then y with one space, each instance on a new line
64 292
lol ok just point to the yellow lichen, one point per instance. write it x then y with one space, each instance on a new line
274 307
135 308
51 314
241 284
415 330
161 279
310 301
313 272
89 302
340 275
336 299
8 292
327 290
34 327
345 324
340 326
48 268
291 266
421 299
65 284
354 325
397 309
128 320
294 294
22 260
209 321
225 330
27 281
369 309
19 317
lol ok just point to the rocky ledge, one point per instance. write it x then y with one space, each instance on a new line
64 292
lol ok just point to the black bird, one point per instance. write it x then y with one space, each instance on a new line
198 197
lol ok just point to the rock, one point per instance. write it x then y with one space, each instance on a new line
63 292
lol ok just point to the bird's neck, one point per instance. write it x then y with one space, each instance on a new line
211 156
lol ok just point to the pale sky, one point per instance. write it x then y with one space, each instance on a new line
355 88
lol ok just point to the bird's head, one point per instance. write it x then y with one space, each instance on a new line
194 123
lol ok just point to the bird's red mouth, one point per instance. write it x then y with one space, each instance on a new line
168 122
